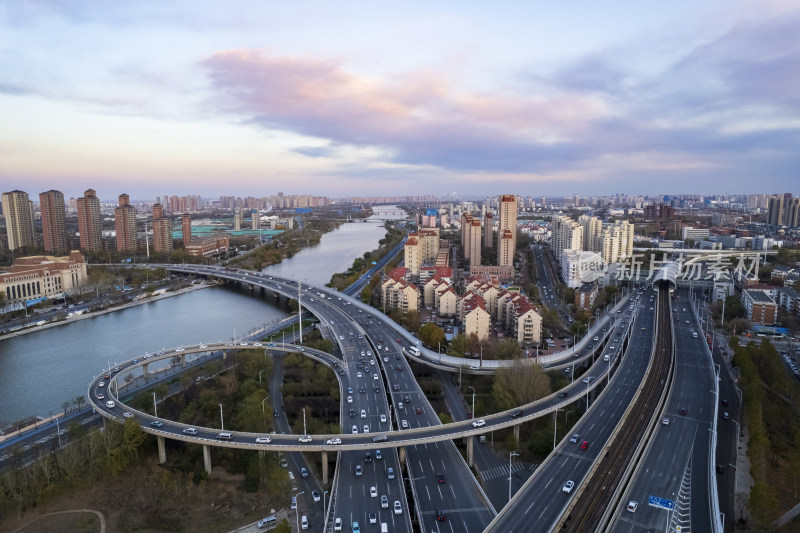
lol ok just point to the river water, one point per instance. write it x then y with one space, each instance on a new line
39 371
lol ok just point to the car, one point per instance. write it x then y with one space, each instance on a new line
315 495
284 462
276 413
399 368
585 445
303 472
349 399
418 410
395 387
337 524
596 339
398 509
440 479
373 518
725 403
305 439
354 429
568 486
101 384
359 471
720 469
349 390
342 372
373 491
385 359
383 418
380 438
398 341
366 428
725 415
359 375
478 423
127 414
378 455
352 413
335 440
682 411
687 321
384 502
190 431
665 421
101 396
377 389
263 440
363 413
362 390
404 423
632 505
516 413
367 457
588 379
375 377
440 515
563 394
268 521
355 527
156 423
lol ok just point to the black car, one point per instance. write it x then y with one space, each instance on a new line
440 479
352 413
407 398
395 387
563 394
725 403
367 457
362 390
440 515
516 413
682 411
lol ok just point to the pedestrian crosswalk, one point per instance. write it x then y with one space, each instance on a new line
502 471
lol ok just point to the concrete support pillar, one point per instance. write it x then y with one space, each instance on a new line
224 354
516 433
470 441
162 450
145 370
183 360
207 457
401 452
324 467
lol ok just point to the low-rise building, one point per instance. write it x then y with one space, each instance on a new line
40 276
579 266
585 295
761 309
208 246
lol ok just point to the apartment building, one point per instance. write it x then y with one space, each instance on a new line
18 212
89 222
567 234
54 233
760 307
125 223
421 247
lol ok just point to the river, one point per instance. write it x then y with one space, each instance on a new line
39 371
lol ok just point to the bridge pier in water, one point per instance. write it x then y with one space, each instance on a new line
162 450
207 457
324 468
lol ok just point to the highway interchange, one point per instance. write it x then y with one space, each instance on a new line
427 444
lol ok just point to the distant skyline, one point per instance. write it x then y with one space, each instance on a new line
357 98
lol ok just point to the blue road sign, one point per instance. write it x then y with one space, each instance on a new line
663 503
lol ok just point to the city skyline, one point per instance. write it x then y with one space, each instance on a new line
152 99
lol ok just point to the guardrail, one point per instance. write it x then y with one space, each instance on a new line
713 494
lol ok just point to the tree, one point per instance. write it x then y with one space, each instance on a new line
508 349
519 384
431 334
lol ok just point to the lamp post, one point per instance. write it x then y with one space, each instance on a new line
304 421
262 406
510 455
297 511
473 400
155 406
58 432
221 421
259 375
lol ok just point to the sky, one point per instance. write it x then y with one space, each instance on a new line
410 98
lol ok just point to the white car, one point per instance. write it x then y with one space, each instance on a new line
335 440
373 491
632 505
363 413
478 423
349 399
567 488
127 414
305 438
264 440
337 524
398 509
374 376
383 419
355 430
360 375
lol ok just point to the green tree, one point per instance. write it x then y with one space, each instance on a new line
519 384
431 334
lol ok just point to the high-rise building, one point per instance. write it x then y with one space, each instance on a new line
238 218
566 235
51 204
791 213
505 248
507 213
488 230
775 210
186 226
18 212
89 222
474 242
162 230
254 220
125 223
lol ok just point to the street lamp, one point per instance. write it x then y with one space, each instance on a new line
261 372
221 421
297 511
262 405
510 455
304 421
155 408
58 432
473 400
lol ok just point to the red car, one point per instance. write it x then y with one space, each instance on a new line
584 445
400 368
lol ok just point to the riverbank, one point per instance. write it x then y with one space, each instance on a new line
92 314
